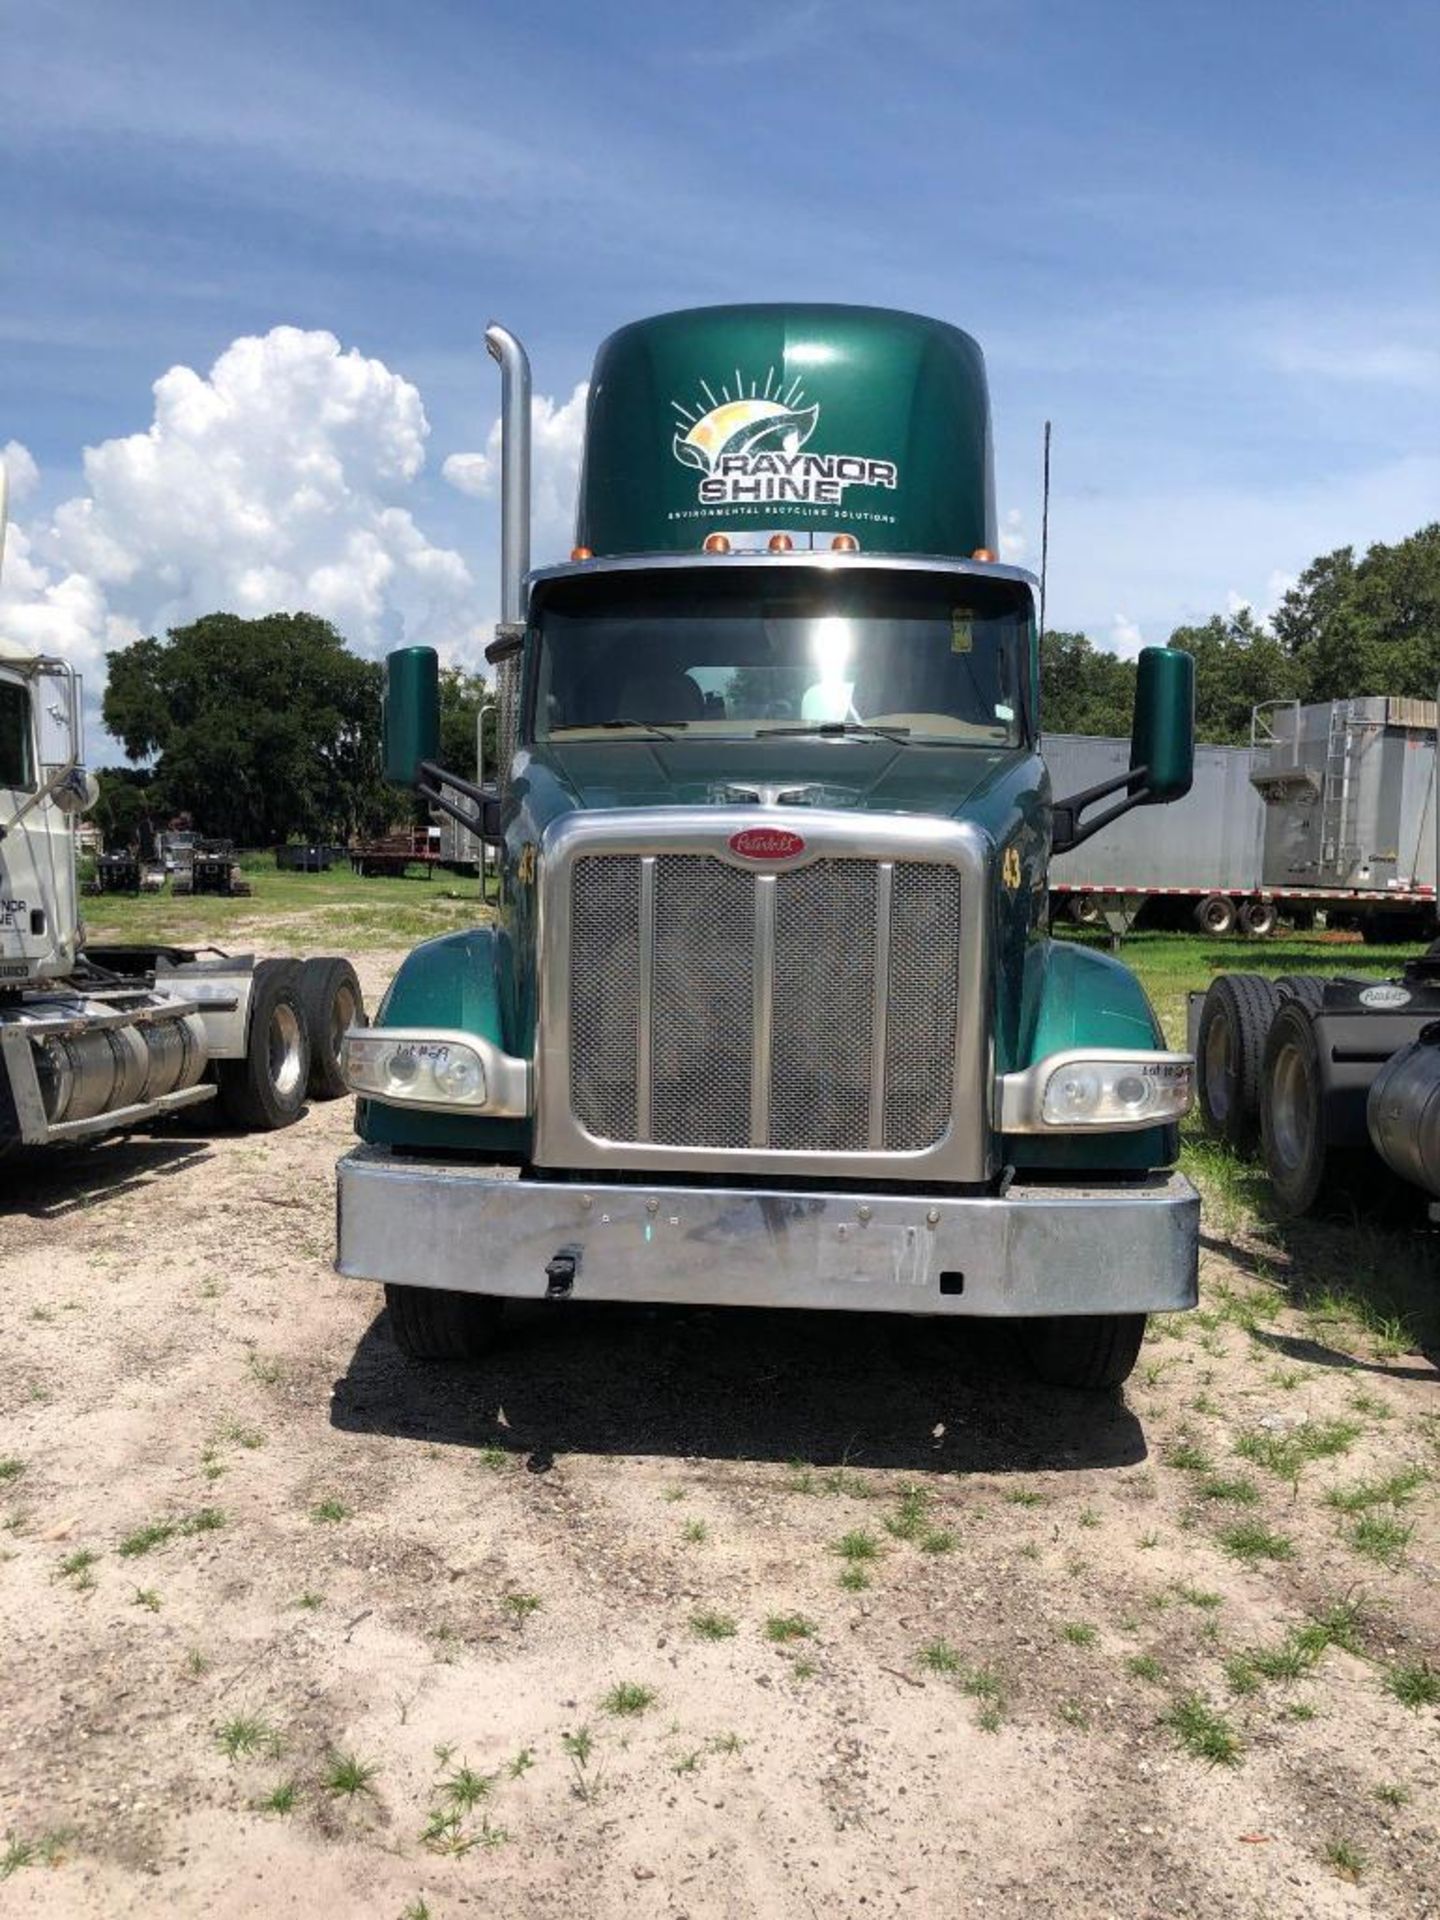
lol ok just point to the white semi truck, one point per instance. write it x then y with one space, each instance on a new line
96 1040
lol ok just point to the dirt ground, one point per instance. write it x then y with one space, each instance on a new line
683 1613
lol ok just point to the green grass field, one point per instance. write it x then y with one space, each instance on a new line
335 912
1170 965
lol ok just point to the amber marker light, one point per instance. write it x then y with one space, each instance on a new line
781 543
716 543
845 543
581 553
982 553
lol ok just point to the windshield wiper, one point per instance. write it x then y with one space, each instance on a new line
840 730
648 727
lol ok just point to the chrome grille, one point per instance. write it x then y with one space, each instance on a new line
605 995
823 996
921 1005
704 943
810 1011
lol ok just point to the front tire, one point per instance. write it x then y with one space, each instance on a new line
430 1323
1090 1352
266 1090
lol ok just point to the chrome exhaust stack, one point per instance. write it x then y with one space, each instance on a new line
514 470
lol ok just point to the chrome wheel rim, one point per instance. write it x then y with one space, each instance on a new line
343 1010
1291 1119
285 1050
1219 1067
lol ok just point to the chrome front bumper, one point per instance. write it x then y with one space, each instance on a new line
1039 1250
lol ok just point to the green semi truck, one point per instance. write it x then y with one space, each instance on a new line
769 1014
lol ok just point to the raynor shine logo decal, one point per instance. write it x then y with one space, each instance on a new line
753 449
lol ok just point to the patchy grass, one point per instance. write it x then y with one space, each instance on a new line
1286 1454
938 1656
857 1546
246 1734
713 1626
520 1606
784 1627
329 1511
1202 1732
1381 1537
282 1798
1393 1491
10 1469
1347 1860
1414 1683
911 1517
346 1775
1236 1489
694 1533
1078 1634
1250 1541
628 1697
1144 1666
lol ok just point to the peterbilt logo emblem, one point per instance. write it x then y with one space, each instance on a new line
766 843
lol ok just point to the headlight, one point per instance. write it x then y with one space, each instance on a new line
1117 1091
414 1072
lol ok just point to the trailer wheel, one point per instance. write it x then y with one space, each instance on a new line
1305 1170
1084 910
266 1089
331 999
1258 919
1088 1351
1216 914
431 1324
1230 1046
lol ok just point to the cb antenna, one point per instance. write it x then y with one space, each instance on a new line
1045 526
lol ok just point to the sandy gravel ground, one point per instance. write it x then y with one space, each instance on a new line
681 1613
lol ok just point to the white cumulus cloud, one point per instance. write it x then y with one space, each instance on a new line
1013 542
1125 637
276 482
557 430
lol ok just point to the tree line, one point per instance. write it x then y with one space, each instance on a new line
1346 628
266 730
262 731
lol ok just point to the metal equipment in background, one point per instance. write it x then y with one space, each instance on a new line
1331 808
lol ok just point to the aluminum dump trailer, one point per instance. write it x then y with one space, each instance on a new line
1349 792
1331 807
1201 854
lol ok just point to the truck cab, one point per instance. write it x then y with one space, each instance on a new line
769 1014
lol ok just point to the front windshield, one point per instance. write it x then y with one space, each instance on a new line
17 766
744 652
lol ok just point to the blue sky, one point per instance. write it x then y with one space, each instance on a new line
1203 241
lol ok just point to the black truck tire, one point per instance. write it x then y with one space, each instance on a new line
1307 1173
331 1000
1230 1047
266 1090
430 1323
1215 914
1087 1351
1307 988
1084 910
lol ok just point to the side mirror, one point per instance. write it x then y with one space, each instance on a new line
1162 750
411 731
1162 739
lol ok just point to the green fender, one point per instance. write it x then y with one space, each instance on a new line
1076 997
464 982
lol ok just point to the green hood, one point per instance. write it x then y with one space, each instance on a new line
873 775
